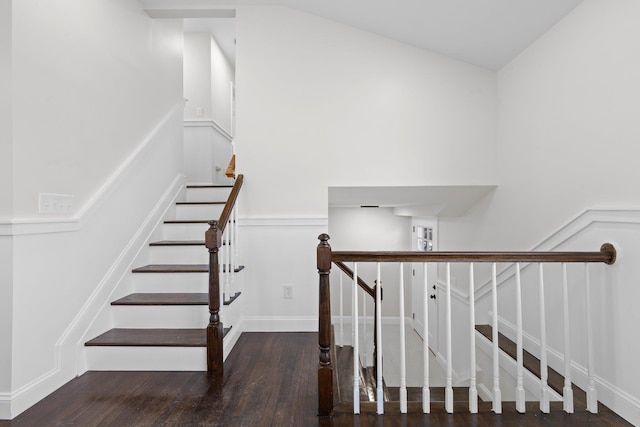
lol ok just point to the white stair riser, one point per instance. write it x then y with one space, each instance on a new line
184 231
198 211
207 194
170 317
179 255
170 282
146 358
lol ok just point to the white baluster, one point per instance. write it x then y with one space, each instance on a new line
365 339
592 395
236 243
497 394
544 394
341 313
426 392
380 395
448 393
221 255
520 402
403 361
473 391
356 349
227 265
567 391
232 256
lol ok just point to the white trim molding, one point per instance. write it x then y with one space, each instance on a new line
283 222
568 231
59 224
209 124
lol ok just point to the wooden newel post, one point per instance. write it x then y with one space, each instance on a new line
325 368
213 241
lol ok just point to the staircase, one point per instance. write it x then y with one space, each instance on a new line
159 321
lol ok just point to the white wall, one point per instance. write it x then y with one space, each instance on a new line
205 149
89 84
197 74
97 113
6 312
567 131
207 80
366 229
222 75
6 121
278 253
320 104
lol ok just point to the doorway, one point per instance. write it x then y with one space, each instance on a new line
424 297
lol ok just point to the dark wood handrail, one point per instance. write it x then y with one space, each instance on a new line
213 242
368 289
231 202
607 255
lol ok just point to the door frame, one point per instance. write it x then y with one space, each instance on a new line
417 283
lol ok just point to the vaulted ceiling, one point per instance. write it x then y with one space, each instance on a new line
487 33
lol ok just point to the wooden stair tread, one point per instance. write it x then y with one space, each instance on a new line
119 337
190 221
151 338
532 364
200 203
178 243
187 221
178 268
209 186
182 243
164 299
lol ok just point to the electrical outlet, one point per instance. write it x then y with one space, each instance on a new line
288 291
55 203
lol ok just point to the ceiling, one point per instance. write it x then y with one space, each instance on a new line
487 33
426 201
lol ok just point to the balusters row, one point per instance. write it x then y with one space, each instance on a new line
545 392
228 256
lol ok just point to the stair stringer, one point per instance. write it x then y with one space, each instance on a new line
508 375
95 314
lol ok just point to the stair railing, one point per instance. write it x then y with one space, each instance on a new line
325 257
218 240
371 292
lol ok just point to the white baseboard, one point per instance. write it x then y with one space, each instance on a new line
484 393
232 337
12 404
627 406
509 365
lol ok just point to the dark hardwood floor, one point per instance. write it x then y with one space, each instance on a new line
270 380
